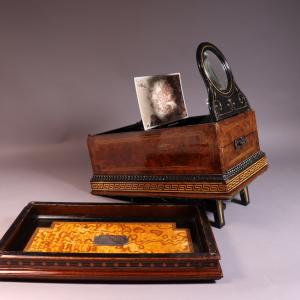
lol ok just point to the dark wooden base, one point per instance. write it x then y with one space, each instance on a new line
200 265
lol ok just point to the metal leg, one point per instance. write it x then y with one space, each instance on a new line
244 197
217 208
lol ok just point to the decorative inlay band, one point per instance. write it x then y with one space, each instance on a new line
246 174
66 264
183 187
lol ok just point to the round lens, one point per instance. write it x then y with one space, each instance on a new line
215 70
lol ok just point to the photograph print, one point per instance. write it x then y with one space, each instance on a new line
160 99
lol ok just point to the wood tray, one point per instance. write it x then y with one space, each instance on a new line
25 254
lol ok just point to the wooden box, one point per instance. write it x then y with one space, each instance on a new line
212 157
109 242
192 159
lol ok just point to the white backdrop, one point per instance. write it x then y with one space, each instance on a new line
66 70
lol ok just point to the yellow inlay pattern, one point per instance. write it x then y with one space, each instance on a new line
78 237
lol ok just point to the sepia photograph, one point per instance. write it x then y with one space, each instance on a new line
161 99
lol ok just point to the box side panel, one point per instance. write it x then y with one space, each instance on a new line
235 127
231 155
237 139
183 150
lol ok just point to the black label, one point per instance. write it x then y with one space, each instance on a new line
110 240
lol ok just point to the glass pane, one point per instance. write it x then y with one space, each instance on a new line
215 70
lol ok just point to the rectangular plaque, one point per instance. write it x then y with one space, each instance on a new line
109 242
109 237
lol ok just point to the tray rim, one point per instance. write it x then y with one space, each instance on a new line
14 265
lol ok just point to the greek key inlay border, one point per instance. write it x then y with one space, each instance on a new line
183 187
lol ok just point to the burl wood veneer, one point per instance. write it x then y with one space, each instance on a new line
195 158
